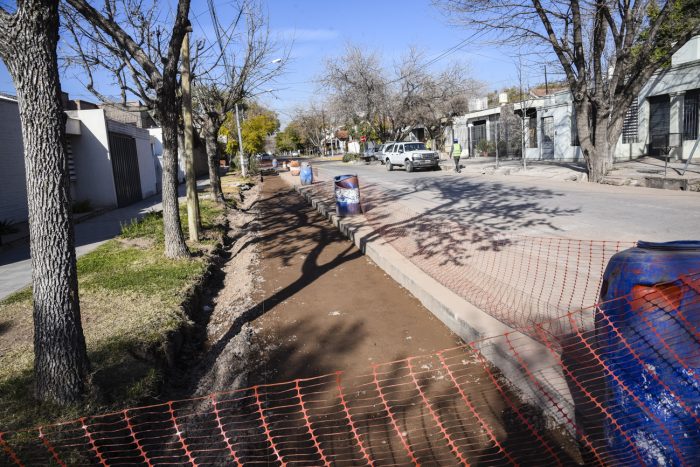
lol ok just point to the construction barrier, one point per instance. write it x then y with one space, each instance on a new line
451 407
454 406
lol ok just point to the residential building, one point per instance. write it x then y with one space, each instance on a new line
665 117
13 186
111 164
667 112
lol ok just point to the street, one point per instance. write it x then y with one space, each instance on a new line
536 206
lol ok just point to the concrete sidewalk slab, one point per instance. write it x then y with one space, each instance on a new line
469 322
15 263
643 172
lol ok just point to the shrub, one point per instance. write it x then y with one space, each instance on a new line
349 157
82 206
7 227
485 147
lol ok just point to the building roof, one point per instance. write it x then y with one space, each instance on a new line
8 96
551 89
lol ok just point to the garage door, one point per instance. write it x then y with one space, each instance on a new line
125 167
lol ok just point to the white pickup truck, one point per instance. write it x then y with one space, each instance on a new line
411 156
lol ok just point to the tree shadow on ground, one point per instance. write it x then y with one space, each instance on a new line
463 217
284 214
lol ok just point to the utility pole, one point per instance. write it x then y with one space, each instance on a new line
244 169
193 221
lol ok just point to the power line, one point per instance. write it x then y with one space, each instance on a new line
215 22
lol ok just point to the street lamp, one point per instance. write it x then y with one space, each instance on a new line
244 169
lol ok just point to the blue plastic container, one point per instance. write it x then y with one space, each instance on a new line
649 344
306 175
347 195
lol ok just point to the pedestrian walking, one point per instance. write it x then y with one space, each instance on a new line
456 153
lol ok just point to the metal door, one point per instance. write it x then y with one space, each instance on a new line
659 124
547 137
125 168
478 134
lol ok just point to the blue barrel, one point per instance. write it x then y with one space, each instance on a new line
306 175
275 164
647 338
347 195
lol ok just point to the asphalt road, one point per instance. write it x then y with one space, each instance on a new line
537 206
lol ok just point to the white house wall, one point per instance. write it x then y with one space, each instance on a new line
147 168
674 81
13 188
157 150
93 167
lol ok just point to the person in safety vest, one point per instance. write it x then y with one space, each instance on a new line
456 153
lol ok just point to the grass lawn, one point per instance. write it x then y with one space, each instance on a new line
130 297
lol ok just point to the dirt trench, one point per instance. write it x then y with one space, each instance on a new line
299 300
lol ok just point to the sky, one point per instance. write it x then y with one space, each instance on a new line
314 31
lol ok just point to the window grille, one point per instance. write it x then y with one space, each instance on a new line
574 128
630 124
691 112
532 132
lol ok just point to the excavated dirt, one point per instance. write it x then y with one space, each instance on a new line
298 300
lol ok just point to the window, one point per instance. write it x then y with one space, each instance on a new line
574 128
414 146
691 113
389 148
547 131
532 132
630 124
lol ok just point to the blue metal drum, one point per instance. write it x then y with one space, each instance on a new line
306 175
347 195
647 338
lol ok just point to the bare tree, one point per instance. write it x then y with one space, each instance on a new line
357 85
607 49
242 63
393 102
436 97
28 40
128 39
311 124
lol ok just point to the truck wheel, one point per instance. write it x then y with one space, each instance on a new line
409 166
389 167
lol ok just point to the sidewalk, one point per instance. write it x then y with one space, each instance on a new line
645 172
15 265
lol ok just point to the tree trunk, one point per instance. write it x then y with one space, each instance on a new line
175 246
210 135
592 137
60 359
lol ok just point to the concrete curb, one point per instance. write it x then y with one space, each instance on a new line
463 318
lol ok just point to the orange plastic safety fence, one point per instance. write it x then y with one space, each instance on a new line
562 399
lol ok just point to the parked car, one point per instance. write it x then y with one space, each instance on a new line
370 154
410 156
381 152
